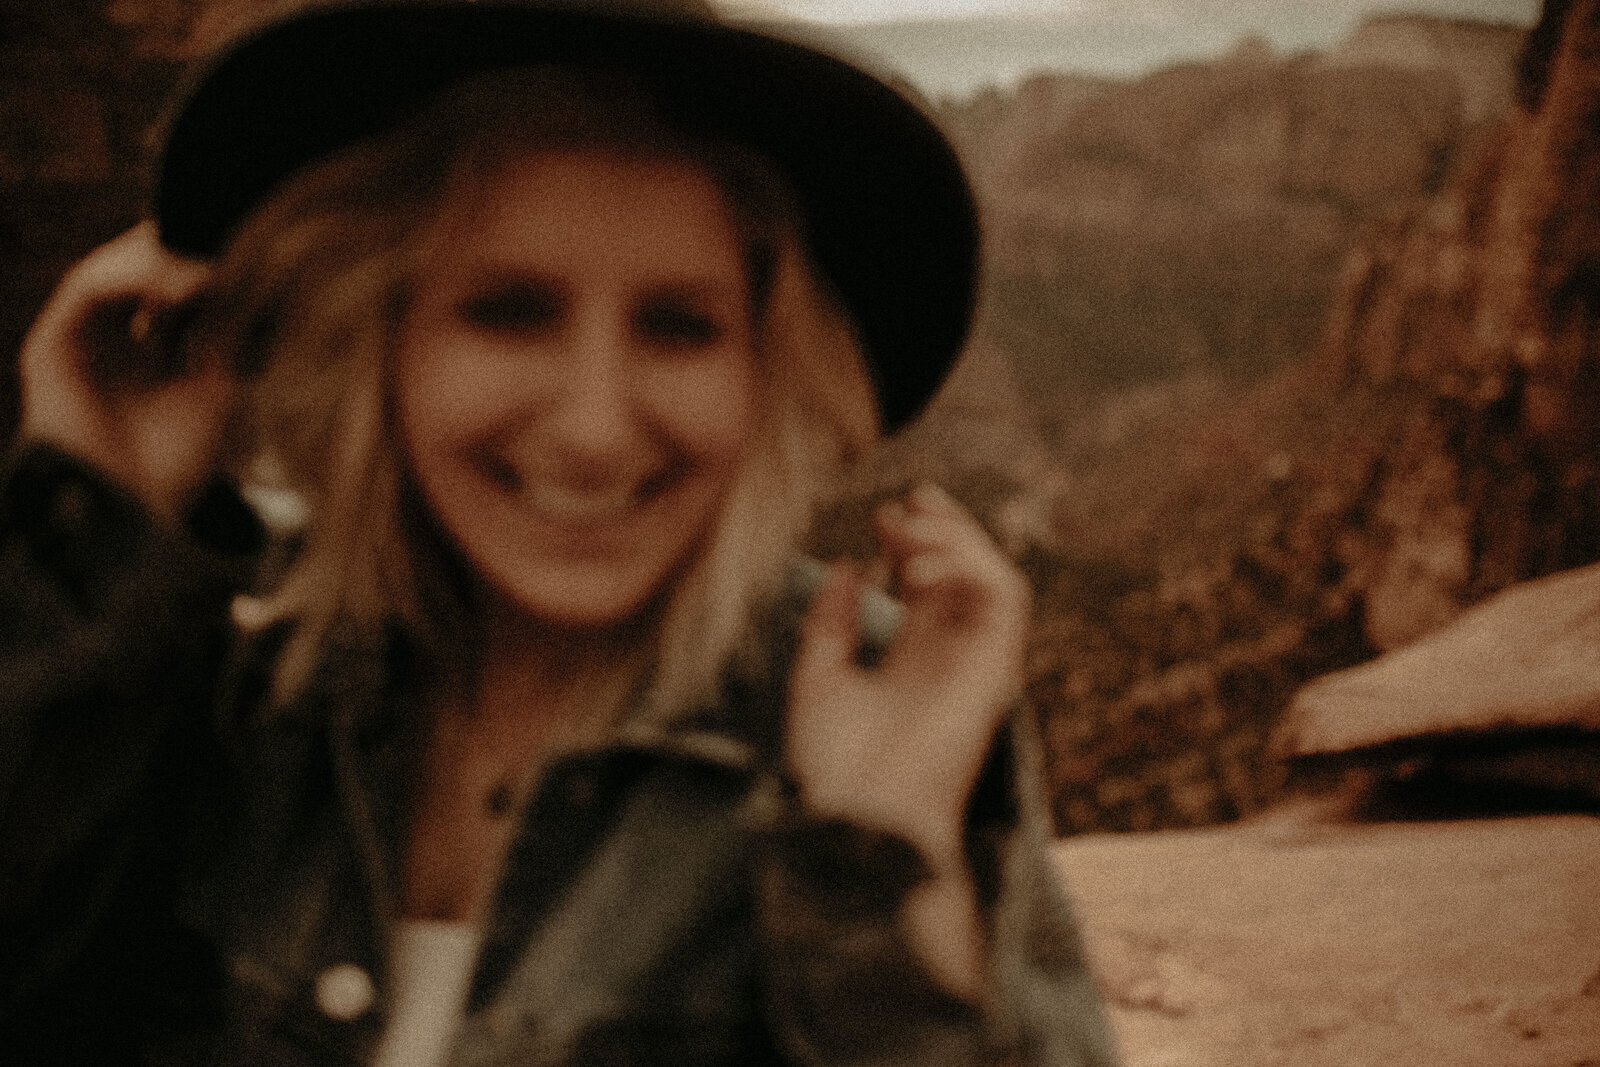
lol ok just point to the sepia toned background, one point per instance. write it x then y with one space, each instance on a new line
1283 357
1286 363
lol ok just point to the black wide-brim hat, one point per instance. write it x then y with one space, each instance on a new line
891 219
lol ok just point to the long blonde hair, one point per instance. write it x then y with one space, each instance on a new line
308 302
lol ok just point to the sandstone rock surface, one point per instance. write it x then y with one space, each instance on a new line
1527 658
1282 942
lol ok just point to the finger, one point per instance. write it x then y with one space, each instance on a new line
172 279
135 263
166 286
119 298
911 535
829 634
963 595
947 613
947 549
932 572
927 515
928 498
903 535
147 346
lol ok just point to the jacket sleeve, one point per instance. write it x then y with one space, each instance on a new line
111 636
843 983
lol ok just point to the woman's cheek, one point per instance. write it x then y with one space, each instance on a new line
708 408
454 387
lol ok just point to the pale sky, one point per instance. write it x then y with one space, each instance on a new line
957 47
884 10
847 11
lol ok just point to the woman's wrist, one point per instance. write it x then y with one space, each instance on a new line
943 926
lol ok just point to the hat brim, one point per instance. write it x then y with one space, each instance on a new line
890 216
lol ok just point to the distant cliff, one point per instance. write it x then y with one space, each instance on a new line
1486 306
1216 546
1473 53
1198 218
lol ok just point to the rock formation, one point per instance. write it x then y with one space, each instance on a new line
1197 218
1484 307
1440 445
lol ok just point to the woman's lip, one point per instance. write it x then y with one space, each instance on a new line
565 505
558 502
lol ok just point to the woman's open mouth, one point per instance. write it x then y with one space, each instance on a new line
564 504
558 500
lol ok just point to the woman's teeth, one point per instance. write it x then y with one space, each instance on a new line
572 506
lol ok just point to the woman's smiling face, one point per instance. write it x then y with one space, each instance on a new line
576 379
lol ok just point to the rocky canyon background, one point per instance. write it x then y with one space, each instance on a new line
1283 360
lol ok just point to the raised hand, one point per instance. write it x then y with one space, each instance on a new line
899 747
107 377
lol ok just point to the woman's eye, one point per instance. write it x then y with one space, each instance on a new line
677 326
512 309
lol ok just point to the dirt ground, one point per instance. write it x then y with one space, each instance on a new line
1285 941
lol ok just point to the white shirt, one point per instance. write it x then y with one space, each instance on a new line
431 969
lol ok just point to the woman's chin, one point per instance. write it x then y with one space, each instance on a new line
575 599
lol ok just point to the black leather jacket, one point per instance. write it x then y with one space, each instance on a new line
182 883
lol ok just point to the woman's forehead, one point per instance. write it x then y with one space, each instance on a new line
589 184
594 216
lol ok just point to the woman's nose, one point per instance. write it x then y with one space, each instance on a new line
593 415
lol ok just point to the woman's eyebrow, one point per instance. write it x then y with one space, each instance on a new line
493 281
490 272
700 289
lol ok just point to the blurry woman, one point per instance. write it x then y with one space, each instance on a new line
537 741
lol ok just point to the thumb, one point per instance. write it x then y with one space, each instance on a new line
829 634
